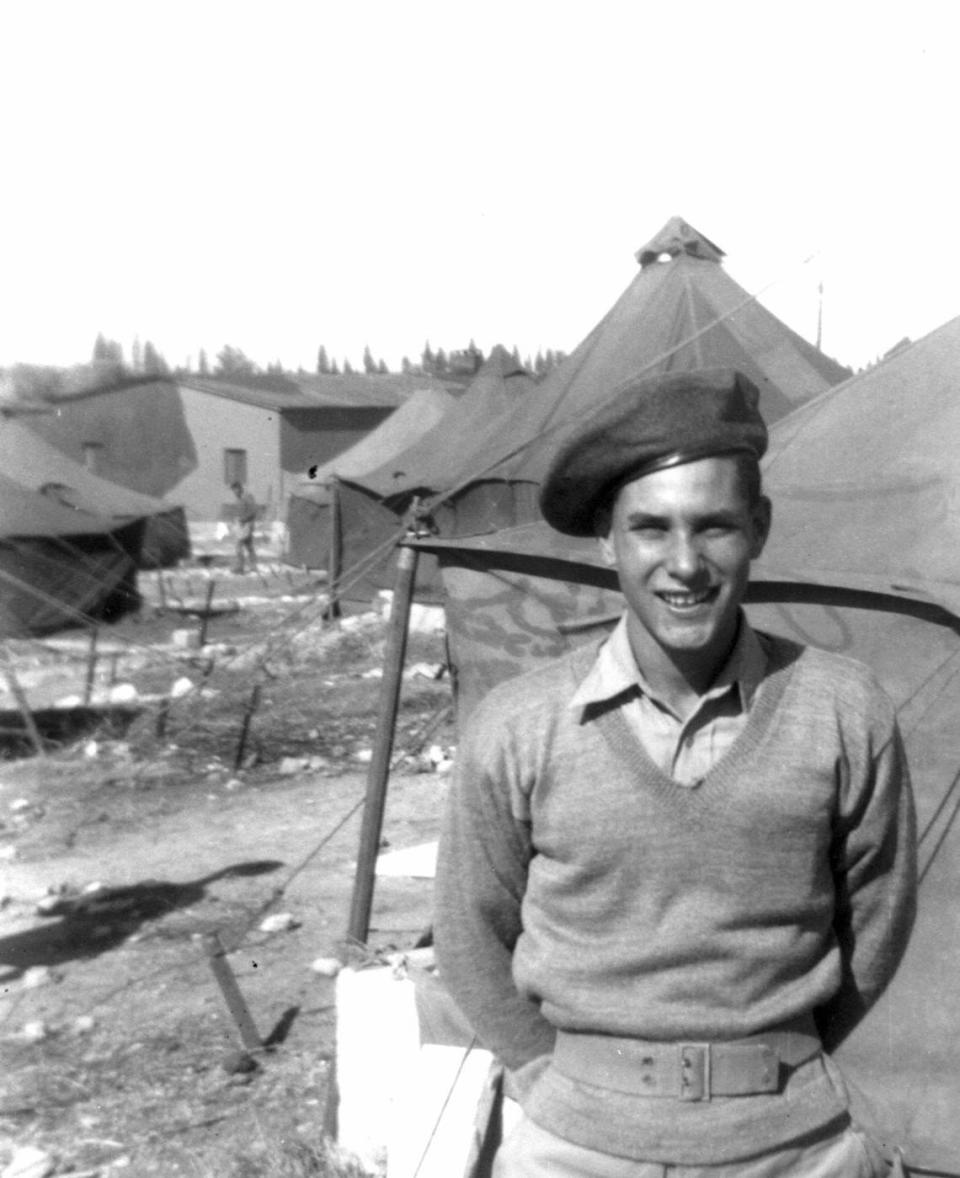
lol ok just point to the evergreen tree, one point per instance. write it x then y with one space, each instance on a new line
203 364
406 367
347 367
369 364
334 370
382 368
427 358
107 351
153 364
440 362
323 362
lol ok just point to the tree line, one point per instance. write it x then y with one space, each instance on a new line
110 365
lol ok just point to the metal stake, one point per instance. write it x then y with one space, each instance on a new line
217 956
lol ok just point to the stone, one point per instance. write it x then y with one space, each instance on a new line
279 922
326 967
29 1162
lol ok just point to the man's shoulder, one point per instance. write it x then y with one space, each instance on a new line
827 674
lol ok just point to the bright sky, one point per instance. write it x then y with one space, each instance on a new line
282 174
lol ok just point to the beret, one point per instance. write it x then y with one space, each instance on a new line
649 422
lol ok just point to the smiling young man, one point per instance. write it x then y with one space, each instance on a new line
678 868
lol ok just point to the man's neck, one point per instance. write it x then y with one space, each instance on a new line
680 678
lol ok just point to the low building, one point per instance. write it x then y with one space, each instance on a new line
267 433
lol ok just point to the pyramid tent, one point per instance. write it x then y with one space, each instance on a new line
681 311
38 465
436 459
309 506
371 505
863 559
60 566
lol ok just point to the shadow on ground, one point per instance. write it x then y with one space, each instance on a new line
90 923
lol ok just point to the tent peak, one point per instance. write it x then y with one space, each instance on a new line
675 238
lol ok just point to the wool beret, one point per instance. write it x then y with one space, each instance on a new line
649 422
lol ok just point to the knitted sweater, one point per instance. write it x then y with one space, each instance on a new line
579 887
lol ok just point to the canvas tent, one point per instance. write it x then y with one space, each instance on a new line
863 559
371 505
60 566
681 311
310 504
39 466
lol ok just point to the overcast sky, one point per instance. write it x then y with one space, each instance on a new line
281 175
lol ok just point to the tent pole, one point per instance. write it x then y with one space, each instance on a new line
334 572
379 772
19 695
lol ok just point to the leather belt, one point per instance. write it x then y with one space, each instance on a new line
688 1070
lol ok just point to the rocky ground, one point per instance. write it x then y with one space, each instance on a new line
155 823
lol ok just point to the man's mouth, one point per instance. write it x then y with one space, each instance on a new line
687 599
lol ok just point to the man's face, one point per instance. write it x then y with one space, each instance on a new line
682 540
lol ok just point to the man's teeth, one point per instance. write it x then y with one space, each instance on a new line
687 599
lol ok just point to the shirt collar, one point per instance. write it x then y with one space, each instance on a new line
615 673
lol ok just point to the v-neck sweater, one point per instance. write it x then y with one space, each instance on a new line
581 888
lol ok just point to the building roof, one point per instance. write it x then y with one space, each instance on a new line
284 393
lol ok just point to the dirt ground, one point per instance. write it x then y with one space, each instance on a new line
120 1055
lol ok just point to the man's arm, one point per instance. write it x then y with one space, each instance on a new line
875 872
481 878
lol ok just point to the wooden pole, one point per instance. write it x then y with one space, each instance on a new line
205 619
217 955
162 595
19 695
245 729
379 772
335 571
91 666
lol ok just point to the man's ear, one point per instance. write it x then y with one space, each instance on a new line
607 551
762 518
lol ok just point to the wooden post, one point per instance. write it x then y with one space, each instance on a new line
335 571
379 772
91 666
244 731
163 714
162 595
20 697
217 955
204 621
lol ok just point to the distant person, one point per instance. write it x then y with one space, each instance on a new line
246 525
677 867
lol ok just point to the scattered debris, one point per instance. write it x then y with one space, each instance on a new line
425 671
29 1162
238 1063
35 1031
327 967
181 687
279 922
35 976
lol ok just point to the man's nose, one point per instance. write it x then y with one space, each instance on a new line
684 558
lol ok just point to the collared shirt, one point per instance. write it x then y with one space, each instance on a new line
685 750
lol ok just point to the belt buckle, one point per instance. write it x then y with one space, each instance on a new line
694 1071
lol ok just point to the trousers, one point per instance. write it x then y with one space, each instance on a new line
529 1151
